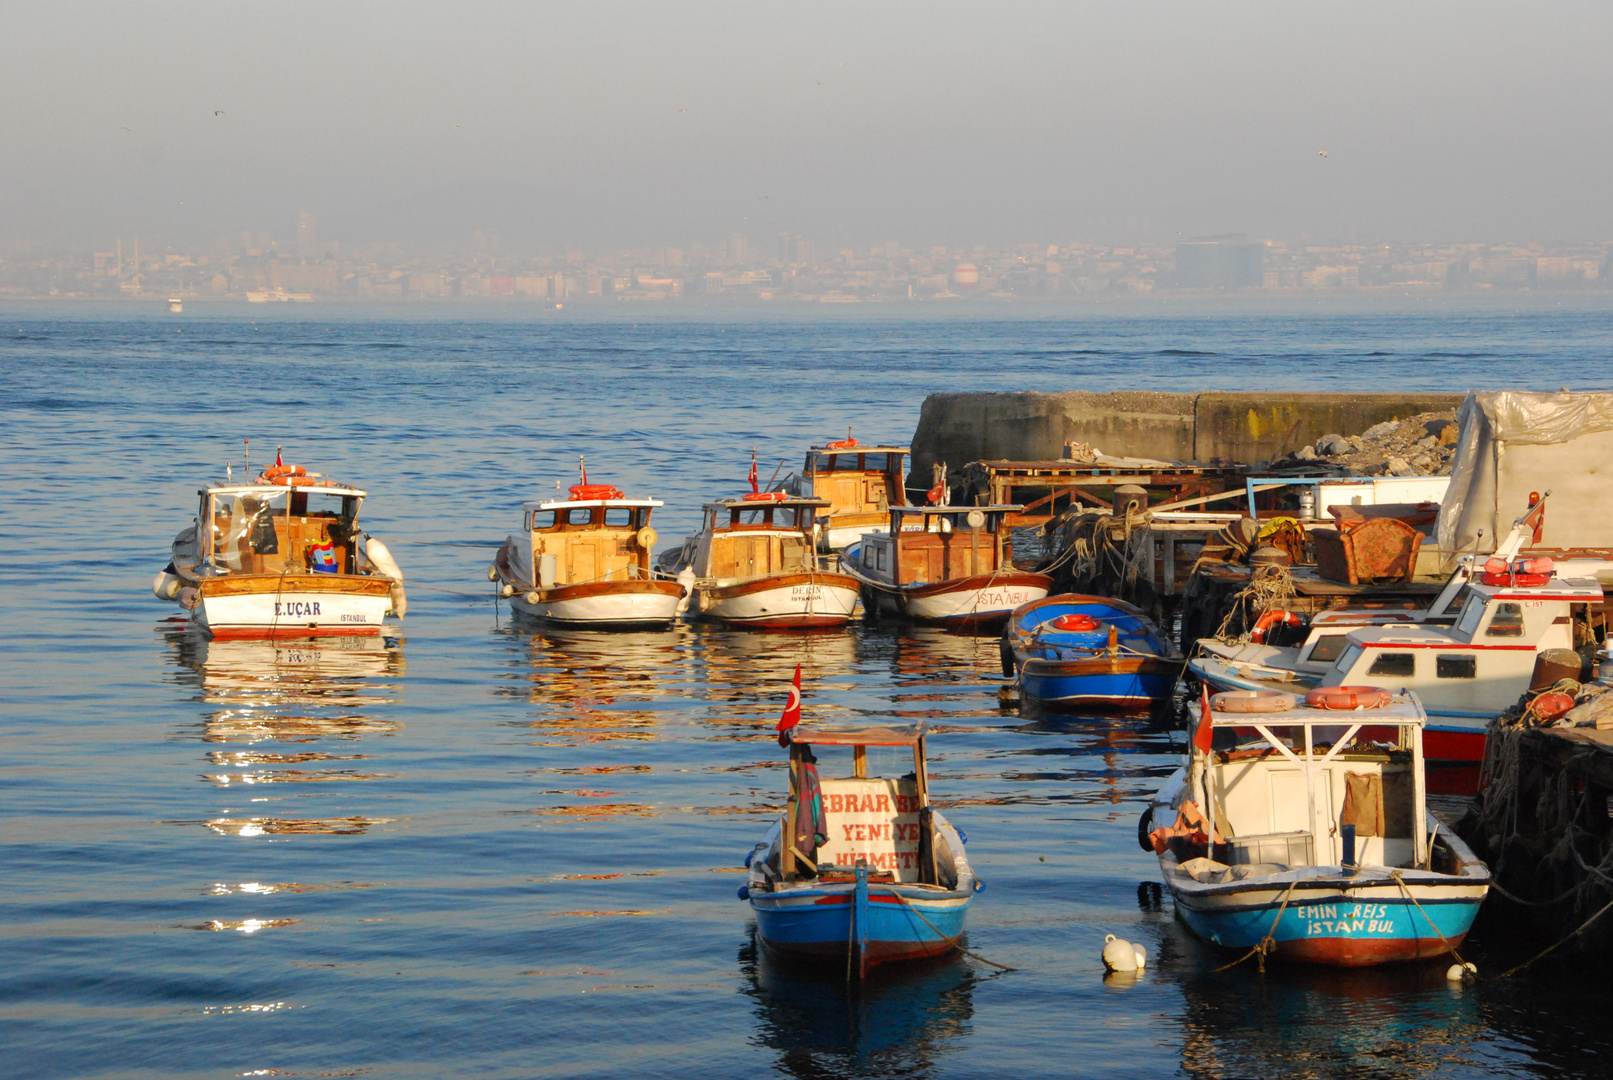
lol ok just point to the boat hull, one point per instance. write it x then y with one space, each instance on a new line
1344 922
1123 686
983 600
817 924
262 606
780 601
625 604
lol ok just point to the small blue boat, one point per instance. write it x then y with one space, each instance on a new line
874 875
1089 654
1315 844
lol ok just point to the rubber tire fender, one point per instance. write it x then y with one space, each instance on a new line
1005 653
1144 827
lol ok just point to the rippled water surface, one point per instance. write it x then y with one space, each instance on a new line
482 849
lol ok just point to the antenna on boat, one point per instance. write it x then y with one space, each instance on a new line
582 464
246 466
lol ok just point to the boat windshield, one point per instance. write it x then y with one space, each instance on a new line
1341 667
245 526
1472 612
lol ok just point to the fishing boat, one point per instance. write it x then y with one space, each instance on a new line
1308 838
951 565
755 563
1465 672
872 873
585 561
281 556
1089 654
861 484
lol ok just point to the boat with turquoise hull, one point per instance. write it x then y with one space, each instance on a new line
1309 839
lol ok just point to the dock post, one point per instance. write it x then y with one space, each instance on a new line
859 915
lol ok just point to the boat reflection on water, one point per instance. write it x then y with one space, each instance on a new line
1305 1020
292 692
747 674
900 1022
270 704
595 686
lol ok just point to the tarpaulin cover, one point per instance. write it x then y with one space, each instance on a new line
1514 442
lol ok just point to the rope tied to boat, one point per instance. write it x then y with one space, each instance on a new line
1443 940
908 904
1270 588
1268 944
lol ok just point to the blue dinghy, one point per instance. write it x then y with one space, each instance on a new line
875 874
1089 654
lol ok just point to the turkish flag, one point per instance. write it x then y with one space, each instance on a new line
937 494
792 711
1202 733
758 490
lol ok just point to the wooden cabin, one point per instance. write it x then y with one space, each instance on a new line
860 485
750 539
264 529
578 541
938 543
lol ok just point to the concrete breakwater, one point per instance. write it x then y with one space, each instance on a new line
958 428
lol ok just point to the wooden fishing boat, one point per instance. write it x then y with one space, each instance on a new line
281 556
1308 838
755 563
861 484
585 561
872 873
944 564
1089 654
1465 672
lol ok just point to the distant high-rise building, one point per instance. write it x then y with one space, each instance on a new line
803 251
784 246
736 247
307 236
1220 262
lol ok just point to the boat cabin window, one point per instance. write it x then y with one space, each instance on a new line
876 462
619 517
1328 647
840 462
1472 612
1506 622
576 515
1394 665
1342 666
1456 666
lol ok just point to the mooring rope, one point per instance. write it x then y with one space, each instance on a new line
1265 944
967 952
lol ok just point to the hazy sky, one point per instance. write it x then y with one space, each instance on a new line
589 124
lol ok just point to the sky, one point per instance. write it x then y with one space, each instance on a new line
590 125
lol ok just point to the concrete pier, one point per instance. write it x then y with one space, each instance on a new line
1245 427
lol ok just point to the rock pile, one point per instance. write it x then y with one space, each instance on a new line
1421 445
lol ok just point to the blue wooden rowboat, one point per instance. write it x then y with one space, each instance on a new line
1324 851
1089 654
875 874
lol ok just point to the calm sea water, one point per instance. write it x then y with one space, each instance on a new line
487 850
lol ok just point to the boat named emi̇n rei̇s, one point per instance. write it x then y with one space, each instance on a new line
585 561
1299 829
860 870
281 556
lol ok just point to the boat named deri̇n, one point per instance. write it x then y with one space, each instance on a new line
585 561
281 556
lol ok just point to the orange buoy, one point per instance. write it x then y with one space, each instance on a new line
585 492
844 444
1348 697
1270 619
766 496
1075 621
1253 701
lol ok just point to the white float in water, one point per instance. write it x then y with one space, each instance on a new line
1122 955
1462 972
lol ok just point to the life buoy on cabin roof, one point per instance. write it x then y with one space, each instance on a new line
274 472
766 496
580 492
1348 697
1253 701
843 444
1270 619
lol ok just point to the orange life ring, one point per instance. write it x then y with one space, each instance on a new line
844 444
582 492
1270 619
1348 697
766 496
1513 580
1253 701
1075 621
275 472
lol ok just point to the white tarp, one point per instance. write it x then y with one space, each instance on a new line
1515 442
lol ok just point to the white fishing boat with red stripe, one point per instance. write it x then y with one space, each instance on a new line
585 561
755 563
951 565
281 556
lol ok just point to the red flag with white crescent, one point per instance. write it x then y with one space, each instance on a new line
1202 734
277 461
936 494
753 487
792 711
